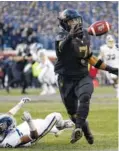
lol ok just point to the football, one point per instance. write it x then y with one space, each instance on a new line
99 28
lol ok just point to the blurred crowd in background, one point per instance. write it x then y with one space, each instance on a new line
37 21
24 22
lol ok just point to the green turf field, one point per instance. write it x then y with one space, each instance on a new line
16 92
103 122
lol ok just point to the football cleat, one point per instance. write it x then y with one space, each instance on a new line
89 138
76 135
87 133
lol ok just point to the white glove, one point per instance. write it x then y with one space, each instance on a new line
25 100
27 117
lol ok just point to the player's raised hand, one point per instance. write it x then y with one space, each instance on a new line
17 107
26 116
25 100
76 30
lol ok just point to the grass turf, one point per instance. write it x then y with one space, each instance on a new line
16 92
103 121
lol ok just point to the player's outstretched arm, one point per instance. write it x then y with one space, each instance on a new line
17 107
98 63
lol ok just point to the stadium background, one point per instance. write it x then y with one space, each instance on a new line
33 21
36 21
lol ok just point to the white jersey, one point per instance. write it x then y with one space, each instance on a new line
47 73
34 48
43 127
109 55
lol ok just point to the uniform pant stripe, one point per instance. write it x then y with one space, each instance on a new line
48 128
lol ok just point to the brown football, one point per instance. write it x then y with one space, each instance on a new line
99 28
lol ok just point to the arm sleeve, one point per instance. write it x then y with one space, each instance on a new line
16 108
62 40
98 63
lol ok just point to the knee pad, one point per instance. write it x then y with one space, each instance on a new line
84 98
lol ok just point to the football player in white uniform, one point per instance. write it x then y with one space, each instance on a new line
47 75
109 53
33 48
31 130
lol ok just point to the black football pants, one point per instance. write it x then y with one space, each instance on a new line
76 96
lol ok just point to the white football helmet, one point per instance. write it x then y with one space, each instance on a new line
110 41
35 47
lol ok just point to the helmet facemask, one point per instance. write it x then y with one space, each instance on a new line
75 21
110 44
3 127
110 41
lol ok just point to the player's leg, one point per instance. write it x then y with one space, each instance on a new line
44 85
83 91
66 88
24 83
52 123
50 80
113 80
51 89
87 132
115 84
16 78
109 78
60 123
44 126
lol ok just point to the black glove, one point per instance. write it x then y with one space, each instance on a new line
112 70
76 31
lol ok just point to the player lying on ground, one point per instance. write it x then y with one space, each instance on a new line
30 130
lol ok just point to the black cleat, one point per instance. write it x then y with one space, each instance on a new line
87 133
76 135
89 138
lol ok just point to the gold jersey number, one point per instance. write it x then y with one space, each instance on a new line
84 51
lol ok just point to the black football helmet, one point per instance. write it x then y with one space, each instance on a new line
69 14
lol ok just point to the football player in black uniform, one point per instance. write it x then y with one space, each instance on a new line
18 68
75 85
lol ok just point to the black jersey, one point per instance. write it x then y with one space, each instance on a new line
72 55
